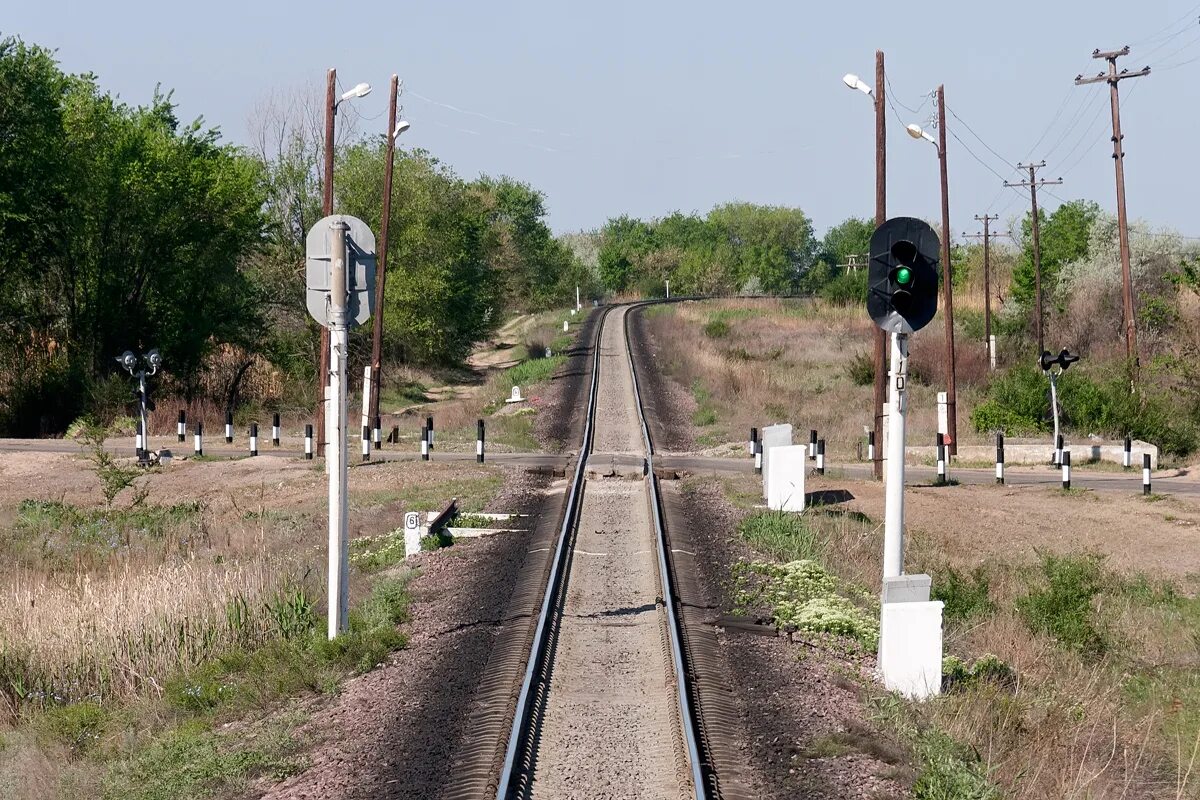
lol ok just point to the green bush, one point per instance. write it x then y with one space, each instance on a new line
717 329
861 369
849 288
949 771
1062 606
964 595
782 536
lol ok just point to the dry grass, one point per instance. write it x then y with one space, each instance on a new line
788 361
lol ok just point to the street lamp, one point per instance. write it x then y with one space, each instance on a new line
359 90
917 132
401 127
856 83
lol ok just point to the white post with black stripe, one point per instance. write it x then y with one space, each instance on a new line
377 434
941 459
871 446
366 443
812 445
1145 473
479 441
820 456
756 451
253 438
275 430
1066 470
1000 459
139 442
429 431
1058 449
198 440
308 442
424 444
228 427
181 426
1127 455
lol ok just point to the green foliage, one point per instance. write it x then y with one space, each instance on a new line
704 414
76 725
849 288
782 536
1062 606
965 595
1063 238
988 668
716 329
949 771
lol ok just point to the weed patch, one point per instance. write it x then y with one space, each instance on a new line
1062 606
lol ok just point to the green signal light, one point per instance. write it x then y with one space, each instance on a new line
904 276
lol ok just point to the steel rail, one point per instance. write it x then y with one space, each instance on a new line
538 650
687 713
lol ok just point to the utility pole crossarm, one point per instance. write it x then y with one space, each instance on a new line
1105 77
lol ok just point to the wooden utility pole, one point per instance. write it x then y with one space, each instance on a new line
947 278
1112 77
381 258
881 338
989 346
326 210
1032 184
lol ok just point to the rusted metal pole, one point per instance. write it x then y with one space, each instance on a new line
326 210
947 277
881 339
381 258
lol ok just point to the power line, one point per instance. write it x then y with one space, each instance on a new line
1068 98
1161 31
991 149
1079 115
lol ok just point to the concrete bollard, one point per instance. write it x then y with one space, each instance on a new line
812 445
275 430
366 443
479 441
753 440
429 431
1145 473
1000 459
198 440
253 438
758 458
377 434
565 327
424 444
1066 469
941 458
820 456
871 446
1127 456
308 443
139 442
1058 449
228 427
181 426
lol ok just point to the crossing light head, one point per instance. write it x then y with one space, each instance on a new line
127 360
154 359
902 276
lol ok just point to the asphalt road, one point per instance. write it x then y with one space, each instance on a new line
1129 482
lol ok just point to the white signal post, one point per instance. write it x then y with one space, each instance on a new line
339 554
893 521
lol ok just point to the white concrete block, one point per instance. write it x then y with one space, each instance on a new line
910 648
785 492
773 436
412 533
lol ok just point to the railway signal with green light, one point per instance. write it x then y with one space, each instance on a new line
903 275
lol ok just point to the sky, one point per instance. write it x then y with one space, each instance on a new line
645 108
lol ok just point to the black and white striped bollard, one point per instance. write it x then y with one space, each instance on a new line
308 443
253 438
1145 473
758 456
228 427
1066 469
753 440
377 433
1058 449
820 456
198 440
139 441
871 446
941 458
424 444
812 445
275 430
1127 456
429 431
366 443
479 441
1000 459
181 427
